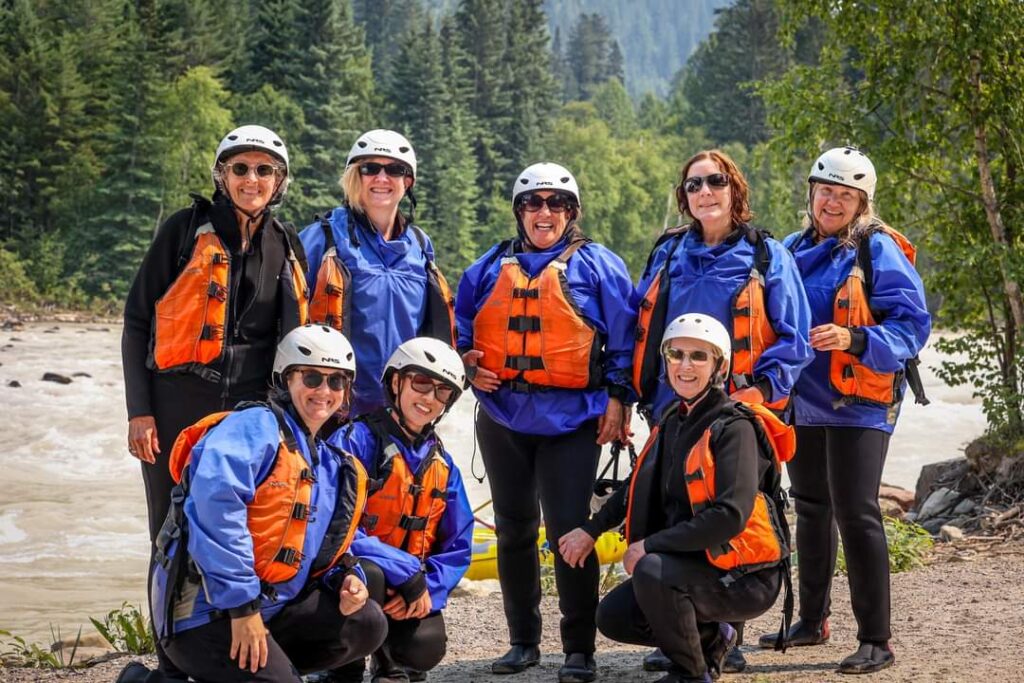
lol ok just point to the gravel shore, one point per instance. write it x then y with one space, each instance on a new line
960 619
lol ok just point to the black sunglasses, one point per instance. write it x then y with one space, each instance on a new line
241 169
394 169
693 184
557 203
336 381
422 384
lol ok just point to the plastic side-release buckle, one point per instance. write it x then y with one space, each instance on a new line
410 523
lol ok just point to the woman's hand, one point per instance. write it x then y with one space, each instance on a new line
609 425
481 378
634 553
249 642
830 337
420 607
748 395
626 434
142 439
352 595
395 607
575 546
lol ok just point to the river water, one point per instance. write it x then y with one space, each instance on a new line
73 539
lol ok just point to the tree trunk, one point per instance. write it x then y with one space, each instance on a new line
988 195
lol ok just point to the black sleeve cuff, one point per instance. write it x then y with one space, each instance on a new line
617 391
764 385
593 528
414 587
858 341
245 610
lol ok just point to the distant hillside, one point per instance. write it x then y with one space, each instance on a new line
656 36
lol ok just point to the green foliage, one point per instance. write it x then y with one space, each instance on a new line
931 92
15 651
126 629
16 287
908 543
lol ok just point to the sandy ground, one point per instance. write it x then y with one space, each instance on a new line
956 620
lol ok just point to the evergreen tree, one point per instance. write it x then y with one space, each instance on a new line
385 23
616 62
589 54
613 105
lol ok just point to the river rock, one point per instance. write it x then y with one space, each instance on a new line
934 524
938 474
938 502
80 374
902 497
949 533
890 508
14 384
965 507
90 646
54 377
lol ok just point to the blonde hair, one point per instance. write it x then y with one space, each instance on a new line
351 185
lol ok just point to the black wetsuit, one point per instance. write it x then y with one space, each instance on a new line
676 597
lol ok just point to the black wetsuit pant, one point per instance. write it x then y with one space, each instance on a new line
675 602
528 473
308 634
179 400
411 644
835 477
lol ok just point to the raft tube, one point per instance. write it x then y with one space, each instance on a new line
610 548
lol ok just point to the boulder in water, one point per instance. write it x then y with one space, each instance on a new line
54 377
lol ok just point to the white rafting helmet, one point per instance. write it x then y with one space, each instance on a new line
845 166
252 138
383 143
432 357
317 346
546 176
705 328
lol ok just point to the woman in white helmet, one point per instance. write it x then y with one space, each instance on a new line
255 578
371 269
432 529
707 539
221 283
546 331
869 321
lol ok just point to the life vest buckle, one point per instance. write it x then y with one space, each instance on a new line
639 334
300 511
333 290
289 556
524 363
741 381
742 344
741 310
438 493
217 291
211 332
525 293
848 372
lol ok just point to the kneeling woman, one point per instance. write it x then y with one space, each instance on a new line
420 512
254 594
705 544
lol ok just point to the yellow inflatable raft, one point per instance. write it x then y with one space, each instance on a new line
609 548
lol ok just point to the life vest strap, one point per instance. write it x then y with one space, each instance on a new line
438 493
306 475
333 289
719 550
525 293
519 386
370 521
847 372
696 475
742 344
211 332
741 381
411 523
524 323
524 363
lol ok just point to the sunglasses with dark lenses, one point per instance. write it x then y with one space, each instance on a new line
336 381
676 356
241 169
394 169
717 180
557 203
422 384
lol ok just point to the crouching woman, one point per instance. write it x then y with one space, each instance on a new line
706 546
254 581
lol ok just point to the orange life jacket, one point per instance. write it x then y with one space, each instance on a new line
406 507
851 307
191 316
332 297
764 540
752 330
532 333
279 512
